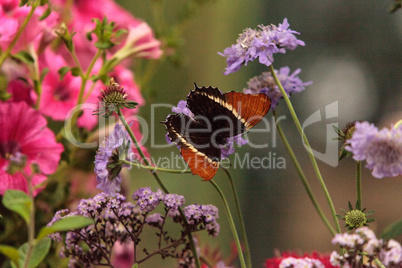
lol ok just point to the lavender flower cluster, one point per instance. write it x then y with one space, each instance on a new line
262 44
120 222
364 243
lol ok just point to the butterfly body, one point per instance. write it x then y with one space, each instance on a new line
216 117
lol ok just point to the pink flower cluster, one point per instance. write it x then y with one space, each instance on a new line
40 86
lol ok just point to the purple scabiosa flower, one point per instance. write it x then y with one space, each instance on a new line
107 160
265 83
262 43
382 149
226 149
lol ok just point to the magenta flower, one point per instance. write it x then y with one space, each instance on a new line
260 44
11 18
58 96
382 149
140 35
24 132
20 91
265 83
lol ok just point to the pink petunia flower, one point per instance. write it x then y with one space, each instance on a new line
11 19
20 91
82 15
24 132
58 96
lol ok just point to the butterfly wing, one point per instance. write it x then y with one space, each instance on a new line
209 104
249 109
193 137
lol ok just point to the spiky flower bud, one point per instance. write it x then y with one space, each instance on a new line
355 219
112 98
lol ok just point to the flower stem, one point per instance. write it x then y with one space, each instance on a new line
302 176
85 76
24 24
359 185
231 223
161 184
31 223
167 170
398 124
309 150
241 220
378 262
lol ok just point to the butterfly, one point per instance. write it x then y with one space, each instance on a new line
216 117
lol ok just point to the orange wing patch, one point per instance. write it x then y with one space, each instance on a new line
249 109
199 163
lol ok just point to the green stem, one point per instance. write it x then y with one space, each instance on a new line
309 150
398 124
359 185
37 76
231 223
302 176
378 262
241 220
31 223
85 76
161 184
152 168
24 24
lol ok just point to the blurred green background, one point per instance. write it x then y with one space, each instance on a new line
352 55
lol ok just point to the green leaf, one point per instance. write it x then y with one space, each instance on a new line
24 56
370 212
350 206
45 14
66 224
104 44
23 3
75 71
63 71
44 72
393 230
38 253
338 131
19 202
10 252
344 211
135 265
357 206
340 217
